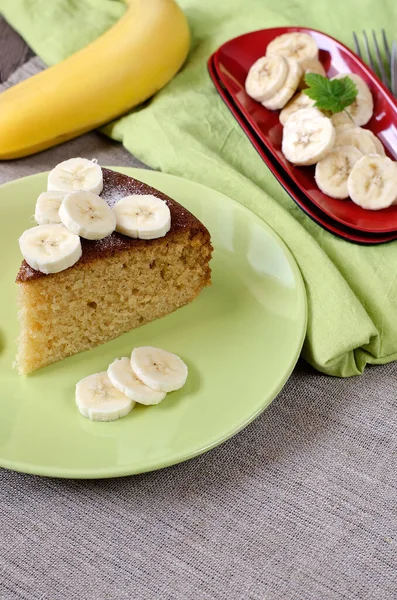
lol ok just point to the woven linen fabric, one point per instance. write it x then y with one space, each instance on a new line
301 505
187 130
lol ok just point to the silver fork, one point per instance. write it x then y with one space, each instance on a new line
388 74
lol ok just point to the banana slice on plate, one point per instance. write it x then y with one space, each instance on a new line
362 139
124 379
310 65
288 89
343 127
372 183
50 248
98 400
333 171
307 137
76 174
342 118
380 149
87 215
300 46
47 207
297 102
159 369
142 216
363 106
265 77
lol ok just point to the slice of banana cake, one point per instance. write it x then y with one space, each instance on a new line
75 293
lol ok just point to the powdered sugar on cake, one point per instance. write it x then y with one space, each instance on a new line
117 186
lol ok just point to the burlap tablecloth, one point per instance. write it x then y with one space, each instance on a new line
301 505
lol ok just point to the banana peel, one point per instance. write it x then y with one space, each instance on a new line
121 69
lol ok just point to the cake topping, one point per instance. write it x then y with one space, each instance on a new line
115 187
71 202
50 248
87 215
76 174
47 207
142 216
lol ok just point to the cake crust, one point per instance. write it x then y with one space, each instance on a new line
116 186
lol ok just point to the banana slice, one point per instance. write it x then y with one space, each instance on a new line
265 77
159 369
296 103
310 65
76 174
288 89
378 144
300 46
343 127
124 379
341 118
142 216
307 137
47 207
87 215
362 139
363 106
333 171
98 400
50 248
372 183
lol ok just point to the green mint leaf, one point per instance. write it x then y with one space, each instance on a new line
333 96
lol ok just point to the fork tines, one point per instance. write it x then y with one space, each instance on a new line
387 70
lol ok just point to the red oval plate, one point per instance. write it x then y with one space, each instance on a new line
233 60
301 200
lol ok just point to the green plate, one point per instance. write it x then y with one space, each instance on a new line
240 338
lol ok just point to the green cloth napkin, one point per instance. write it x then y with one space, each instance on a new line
188 131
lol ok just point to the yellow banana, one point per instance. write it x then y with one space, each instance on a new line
119 70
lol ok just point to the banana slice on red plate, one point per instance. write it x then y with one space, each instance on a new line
266 77
297 102
307 137
296 45
288 89
372 183
332 172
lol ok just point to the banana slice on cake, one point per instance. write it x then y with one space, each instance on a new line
363 106
362 139
124 379
307 137
87 215
159 369
50 248
98 400
332 172
300 46
298 102
310 65
372 183
265 77
142 216
76 174
288 89
47 207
